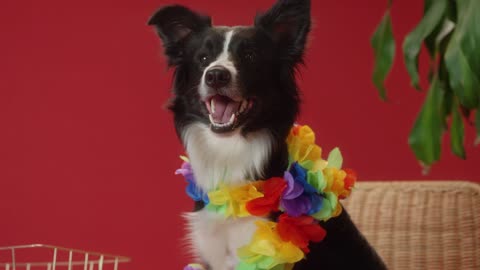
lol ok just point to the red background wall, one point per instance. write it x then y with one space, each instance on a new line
87 152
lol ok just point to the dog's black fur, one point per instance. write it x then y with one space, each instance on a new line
266 57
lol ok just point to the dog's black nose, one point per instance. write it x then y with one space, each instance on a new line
217 77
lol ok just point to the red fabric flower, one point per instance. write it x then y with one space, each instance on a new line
272 190
349 182
300 230
296 129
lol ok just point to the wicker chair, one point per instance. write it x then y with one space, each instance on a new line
420 225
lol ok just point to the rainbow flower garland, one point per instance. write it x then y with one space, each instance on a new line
308 192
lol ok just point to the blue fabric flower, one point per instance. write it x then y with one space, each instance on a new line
300 176
317 203
193 191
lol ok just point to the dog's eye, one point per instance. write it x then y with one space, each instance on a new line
250 56
204 58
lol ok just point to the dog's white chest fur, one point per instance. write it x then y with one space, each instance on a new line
232 160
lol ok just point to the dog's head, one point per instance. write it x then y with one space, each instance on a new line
239 77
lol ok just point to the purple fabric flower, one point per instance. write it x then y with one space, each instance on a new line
185 170
293 200
293 189
299 197
194 266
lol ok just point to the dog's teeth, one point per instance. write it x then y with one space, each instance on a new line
222 125
212 105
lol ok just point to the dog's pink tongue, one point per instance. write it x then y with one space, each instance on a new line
224 108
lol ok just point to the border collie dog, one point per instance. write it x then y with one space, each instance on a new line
235 101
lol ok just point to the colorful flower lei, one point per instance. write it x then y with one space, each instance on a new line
308 192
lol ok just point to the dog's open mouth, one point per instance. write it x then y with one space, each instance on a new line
226 113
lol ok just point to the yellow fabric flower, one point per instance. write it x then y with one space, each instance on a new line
337 211
336 182
316 179
267 249
232 201
302 148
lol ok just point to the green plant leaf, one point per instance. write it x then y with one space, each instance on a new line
442 75
447 106
448 20
437 50
425 137
430 39
383 45
435 11
457 128
462 57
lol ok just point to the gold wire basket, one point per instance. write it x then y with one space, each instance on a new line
39 256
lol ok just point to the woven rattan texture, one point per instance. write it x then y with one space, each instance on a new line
420 225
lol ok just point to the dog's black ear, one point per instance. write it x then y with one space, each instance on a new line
174 24
288 23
